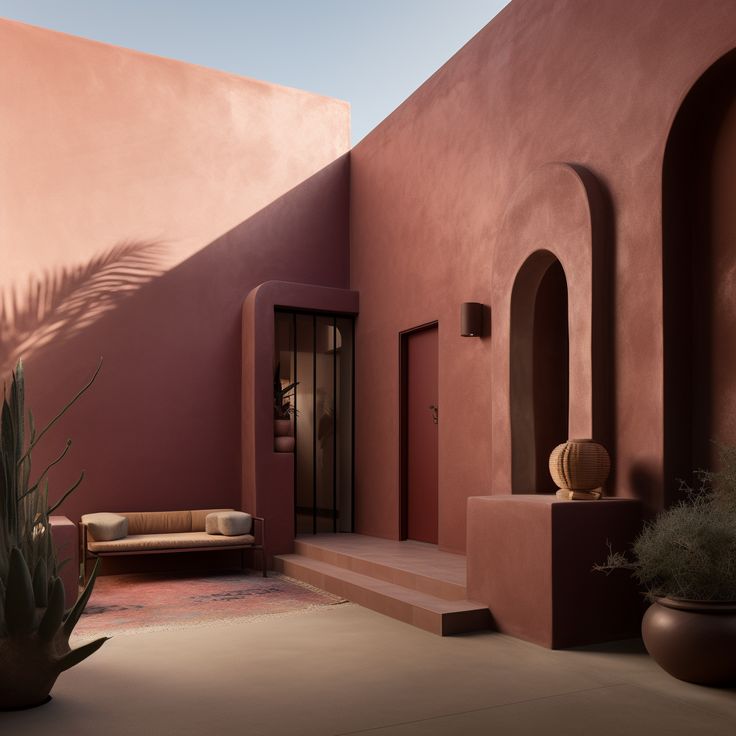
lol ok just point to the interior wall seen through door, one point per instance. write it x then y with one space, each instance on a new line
315 351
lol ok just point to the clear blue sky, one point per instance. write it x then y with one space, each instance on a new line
372 53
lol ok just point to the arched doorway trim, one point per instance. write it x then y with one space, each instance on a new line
558 209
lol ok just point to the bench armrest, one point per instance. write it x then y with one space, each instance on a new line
259 530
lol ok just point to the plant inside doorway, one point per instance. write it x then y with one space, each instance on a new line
283 411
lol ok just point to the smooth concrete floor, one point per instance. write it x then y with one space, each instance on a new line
345 670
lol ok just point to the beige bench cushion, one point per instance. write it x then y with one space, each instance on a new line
176 540
199 518
228 523
105 527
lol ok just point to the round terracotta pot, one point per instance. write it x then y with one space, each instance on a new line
282 427
579 465
284 444
694 641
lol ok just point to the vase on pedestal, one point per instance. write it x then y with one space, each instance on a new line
579 468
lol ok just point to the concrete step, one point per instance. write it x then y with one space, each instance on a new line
380 560
428 612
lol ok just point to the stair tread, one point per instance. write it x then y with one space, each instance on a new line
417 558
399 592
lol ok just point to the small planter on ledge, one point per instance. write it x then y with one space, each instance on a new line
283 430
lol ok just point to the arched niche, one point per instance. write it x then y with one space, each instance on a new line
699 275
539 370
556 216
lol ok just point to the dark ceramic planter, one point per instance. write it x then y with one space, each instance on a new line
27 672
282 428
694 641
284 444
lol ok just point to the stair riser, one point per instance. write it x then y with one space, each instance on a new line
441 623
386 605
440 588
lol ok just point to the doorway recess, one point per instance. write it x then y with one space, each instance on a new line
316 351
420 416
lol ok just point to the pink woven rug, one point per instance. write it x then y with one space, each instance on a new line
128 603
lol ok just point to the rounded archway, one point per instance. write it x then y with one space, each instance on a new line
699 269
539 367
556 216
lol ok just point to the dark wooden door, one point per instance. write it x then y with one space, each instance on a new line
421 418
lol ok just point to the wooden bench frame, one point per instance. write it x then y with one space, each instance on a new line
259 532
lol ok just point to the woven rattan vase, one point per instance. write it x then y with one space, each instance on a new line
580 468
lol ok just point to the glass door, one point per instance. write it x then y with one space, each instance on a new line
316 352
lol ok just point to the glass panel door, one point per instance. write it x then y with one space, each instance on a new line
321 365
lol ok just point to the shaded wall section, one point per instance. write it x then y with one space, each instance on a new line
699 240
141 199
591 84
551 357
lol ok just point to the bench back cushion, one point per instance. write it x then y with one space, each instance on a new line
159 522
167 522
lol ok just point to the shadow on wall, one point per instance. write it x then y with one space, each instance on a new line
60 303
699 264
161 427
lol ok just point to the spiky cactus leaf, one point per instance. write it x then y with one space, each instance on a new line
17 399
23 477
2 607
31 426
54 613
7 446
79 655
71 620
40 583
20 606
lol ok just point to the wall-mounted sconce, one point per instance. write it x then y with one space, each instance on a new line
471 319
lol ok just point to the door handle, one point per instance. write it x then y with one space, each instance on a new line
435 413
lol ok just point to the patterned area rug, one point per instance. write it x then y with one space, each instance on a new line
122 604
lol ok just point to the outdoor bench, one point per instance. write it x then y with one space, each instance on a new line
163 532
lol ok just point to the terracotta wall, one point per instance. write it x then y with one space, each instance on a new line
699 270
141 199
591 83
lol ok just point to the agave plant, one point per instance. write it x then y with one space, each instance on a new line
34 625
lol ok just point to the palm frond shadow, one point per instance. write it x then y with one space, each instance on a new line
64 301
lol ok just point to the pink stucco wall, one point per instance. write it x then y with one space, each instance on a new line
595 84
215 184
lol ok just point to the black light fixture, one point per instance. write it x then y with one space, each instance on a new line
471 319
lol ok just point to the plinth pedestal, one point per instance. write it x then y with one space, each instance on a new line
530 560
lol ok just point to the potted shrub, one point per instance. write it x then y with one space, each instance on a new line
34 627
686 560
283 411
